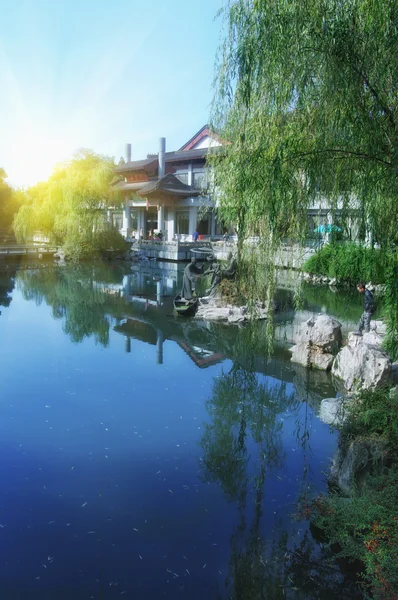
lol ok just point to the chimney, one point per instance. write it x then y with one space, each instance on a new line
162 157
128 152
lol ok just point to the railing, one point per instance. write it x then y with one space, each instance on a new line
24 249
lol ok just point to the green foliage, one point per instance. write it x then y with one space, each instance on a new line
85 244
10 201
391 310
306 100
351 262
374 414
76 297
366 527
70 207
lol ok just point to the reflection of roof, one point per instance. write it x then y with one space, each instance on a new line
139 330
169 184
202 358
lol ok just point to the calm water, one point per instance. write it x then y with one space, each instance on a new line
145 456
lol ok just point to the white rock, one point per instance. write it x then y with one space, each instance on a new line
394 372
371 339
309 356
333 411
362 366
322 361
322 331
213 313
236 318
379 326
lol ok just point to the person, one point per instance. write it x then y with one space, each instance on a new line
369 307
191 275
195 236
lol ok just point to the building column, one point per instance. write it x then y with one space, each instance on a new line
126 218
161 218
159 347
193 219
141 221
190 174
171 224
328 235
159 292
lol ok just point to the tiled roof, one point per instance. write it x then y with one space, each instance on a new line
170 157
169 184
136 165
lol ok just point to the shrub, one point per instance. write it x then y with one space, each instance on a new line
351 262
83 245
365 527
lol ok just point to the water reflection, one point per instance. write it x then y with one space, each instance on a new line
178 454
7 284
243 446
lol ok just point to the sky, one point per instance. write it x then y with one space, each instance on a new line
95 74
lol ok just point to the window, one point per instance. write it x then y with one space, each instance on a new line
183 177
182 221
200 180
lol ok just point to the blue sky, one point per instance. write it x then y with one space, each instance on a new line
92 74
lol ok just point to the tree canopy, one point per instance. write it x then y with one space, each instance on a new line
69 207
306 94
10 201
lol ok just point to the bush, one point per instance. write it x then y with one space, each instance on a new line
365 527
374 414
83 245
351 262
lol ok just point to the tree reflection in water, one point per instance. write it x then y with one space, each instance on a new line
80 295
7 284
245 415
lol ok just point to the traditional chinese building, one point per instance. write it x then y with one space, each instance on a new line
164 191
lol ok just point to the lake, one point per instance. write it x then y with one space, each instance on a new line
146 456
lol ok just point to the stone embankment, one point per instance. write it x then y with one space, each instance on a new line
335 282
361 364
213 309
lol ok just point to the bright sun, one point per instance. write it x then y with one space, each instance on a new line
34 157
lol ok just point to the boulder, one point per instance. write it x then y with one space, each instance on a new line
334 411
371 339
394 372
379 327
213 313
321 331
352 464
306 355
362 366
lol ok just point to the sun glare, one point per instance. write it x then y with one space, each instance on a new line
34 158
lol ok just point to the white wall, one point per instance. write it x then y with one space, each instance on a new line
206 142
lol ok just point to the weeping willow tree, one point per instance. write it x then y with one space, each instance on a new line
306 103
10 202
69 207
